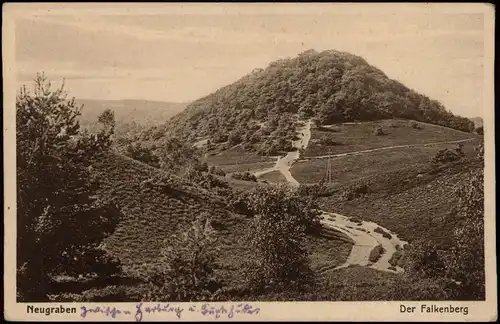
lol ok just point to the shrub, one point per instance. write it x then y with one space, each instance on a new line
245 176
396 256
384 233
424 259
217 171
376 253
141 153
355 191
185 271
466 260
277 238
415 125
326 140
445 156
479 130
378 131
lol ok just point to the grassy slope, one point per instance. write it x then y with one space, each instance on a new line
153 213
346 169
414 203
357 137
237 160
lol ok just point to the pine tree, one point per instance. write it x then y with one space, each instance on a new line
60 220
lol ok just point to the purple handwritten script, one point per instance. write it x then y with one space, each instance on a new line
106 311
229 311
141 310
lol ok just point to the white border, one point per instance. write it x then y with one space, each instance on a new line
311 311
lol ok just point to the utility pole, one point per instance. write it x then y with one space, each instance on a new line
329 168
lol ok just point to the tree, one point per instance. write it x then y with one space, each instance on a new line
60 220
466 262
141 153
186 268
107 119
277 235
177 156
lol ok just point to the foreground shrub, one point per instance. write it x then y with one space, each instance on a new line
465 264
186 268
445 156
61 222
277 237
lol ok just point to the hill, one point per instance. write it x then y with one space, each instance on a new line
156 204
129 114
259 111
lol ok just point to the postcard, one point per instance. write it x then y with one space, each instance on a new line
249 162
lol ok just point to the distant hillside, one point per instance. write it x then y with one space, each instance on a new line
259 110
129 113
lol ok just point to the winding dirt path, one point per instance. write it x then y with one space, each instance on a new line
362 234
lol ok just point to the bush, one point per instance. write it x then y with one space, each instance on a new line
396 256
355 191
384 233
479 130
245 176
376 253
378 131
143 154
217 171
185 271
326 140
424 259
277 238
415 125
445 156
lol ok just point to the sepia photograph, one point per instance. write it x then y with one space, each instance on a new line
249 153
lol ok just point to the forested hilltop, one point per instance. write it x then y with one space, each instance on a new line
259 110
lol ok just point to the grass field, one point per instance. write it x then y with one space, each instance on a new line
237 160
357 137
414 202
355 167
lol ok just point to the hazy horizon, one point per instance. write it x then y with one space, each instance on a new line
175 57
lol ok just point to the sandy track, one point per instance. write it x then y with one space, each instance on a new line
362 234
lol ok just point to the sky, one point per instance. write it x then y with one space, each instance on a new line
181 55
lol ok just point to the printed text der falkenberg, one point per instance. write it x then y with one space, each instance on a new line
450 309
